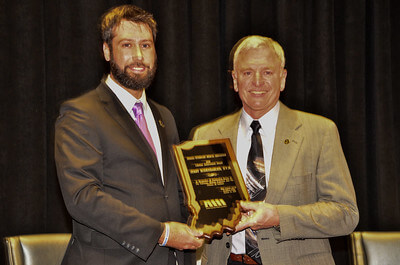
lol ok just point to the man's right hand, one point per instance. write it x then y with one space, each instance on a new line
181 237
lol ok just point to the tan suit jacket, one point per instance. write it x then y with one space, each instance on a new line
309 182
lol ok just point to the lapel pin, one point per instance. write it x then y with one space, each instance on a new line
286 141
161 123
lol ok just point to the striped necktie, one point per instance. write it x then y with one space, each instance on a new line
256 185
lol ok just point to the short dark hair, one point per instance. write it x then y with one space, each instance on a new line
113 17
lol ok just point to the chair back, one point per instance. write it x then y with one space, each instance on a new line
39 249
375 248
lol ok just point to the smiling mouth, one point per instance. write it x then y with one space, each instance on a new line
258 92
137 68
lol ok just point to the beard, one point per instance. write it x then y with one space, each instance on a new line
133 81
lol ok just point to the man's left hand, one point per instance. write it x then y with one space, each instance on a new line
257 215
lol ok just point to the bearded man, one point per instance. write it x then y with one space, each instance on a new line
112 151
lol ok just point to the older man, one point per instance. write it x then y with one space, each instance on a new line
293 164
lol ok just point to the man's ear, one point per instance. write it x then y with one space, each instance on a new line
106 52
234 78
283 80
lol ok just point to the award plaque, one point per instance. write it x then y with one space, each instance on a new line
213 184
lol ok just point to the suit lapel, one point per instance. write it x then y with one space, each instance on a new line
229 129
287 143
117 111
288 140
163 136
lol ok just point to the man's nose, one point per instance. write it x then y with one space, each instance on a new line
258 81
137 52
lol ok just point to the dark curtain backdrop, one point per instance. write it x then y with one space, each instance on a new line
342 60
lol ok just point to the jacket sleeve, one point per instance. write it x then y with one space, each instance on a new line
328 182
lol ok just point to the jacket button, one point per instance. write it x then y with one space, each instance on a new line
228 245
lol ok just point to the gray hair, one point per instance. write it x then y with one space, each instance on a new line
255 41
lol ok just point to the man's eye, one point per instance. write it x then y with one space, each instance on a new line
246 73
126 45
146 45
268 73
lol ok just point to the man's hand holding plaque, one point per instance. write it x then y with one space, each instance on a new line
213 185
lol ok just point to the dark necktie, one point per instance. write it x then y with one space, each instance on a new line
256 186
141 123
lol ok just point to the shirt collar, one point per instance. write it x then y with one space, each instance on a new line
268 120
127 100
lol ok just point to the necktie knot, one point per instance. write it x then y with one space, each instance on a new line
256 126
138 109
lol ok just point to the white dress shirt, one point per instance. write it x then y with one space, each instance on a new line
267 133
128 101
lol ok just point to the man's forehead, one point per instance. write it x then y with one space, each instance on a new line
129 27
257 55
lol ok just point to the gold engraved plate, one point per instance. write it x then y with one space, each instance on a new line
213 184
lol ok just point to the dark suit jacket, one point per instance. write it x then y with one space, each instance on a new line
111 181
309 182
